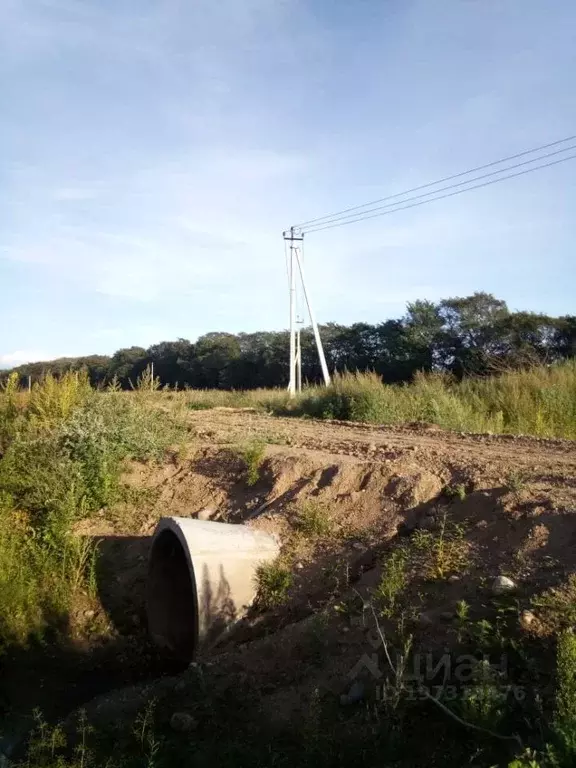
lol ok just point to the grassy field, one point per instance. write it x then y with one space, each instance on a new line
540 401
62 448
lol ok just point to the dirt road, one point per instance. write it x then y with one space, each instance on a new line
426 442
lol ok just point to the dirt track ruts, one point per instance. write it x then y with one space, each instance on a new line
556 456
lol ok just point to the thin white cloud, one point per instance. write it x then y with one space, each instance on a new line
22 356
167 230
72 194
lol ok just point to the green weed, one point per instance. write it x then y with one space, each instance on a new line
273 581
516 481
312 520
54 399
145 735
529 759
147 382
393 581
457 491
482 702
444 552
252 454
462 618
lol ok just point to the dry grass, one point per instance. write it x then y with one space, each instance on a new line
540 401
270 400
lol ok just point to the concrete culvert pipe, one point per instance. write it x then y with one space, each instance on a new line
201 579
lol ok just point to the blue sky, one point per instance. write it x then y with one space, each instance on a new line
152 152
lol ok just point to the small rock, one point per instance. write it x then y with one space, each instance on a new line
454 578
358 546
372 447
299 566
354 695
206 514
502 584
527 619
182 722
345 629
89 614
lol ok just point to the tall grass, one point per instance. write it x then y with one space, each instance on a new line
540 401
61 452
260 399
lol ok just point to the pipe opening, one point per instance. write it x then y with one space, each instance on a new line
172 598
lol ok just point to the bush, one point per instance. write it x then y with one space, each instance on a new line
350 397
107 429
38 577
54 399
62 457
41 479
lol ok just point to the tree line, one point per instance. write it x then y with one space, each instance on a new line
471 335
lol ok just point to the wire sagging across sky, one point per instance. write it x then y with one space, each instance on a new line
368 211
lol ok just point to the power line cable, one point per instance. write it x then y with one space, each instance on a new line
434 183
441 197
450 186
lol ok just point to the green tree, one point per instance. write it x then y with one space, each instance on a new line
173 361
471 334
564 341
127 364
214 353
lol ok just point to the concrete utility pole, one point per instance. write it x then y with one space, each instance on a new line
298 358
319 346
295 381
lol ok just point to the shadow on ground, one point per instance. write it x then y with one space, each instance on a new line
71 666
